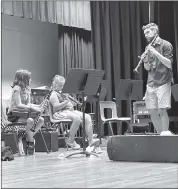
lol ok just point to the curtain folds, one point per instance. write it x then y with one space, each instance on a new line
168 26
67 13
75 49
117 41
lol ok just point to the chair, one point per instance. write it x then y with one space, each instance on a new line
10 126
60 123
16 126
111 105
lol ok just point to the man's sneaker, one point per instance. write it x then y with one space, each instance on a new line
166 133
95 142
30 148
73 145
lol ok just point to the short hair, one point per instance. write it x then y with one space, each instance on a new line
57 79
151 26
22 78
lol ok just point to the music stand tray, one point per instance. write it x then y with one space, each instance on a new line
101 95
85 82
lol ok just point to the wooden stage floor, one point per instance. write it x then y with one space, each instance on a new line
48 171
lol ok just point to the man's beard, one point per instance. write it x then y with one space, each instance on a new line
149 39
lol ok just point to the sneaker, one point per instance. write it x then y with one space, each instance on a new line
73 145
166 133
30 148
95 142
89 149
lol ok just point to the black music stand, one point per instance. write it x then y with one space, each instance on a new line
101 95
174 89
130 90
84 82
103 90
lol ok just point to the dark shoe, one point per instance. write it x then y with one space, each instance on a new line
30 148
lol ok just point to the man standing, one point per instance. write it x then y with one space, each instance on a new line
158 63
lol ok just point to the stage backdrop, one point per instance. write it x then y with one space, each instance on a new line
117 41
75 49
166 15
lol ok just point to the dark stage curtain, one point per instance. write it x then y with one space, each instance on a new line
117 41
75 49
166 16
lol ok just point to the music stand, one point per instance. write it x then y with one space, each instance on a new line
174 89
101 95
103 90
84 82
130 90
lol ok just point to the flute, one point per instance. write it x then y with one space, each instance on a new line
70 98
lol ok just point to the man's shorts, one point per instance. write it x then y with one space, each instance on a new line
158 97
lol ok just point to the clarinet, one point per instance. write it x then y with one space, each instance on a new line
70 98
45 104
144 54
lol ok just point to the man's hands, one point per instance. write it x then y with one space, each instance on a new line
144 57
152 50
162 59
